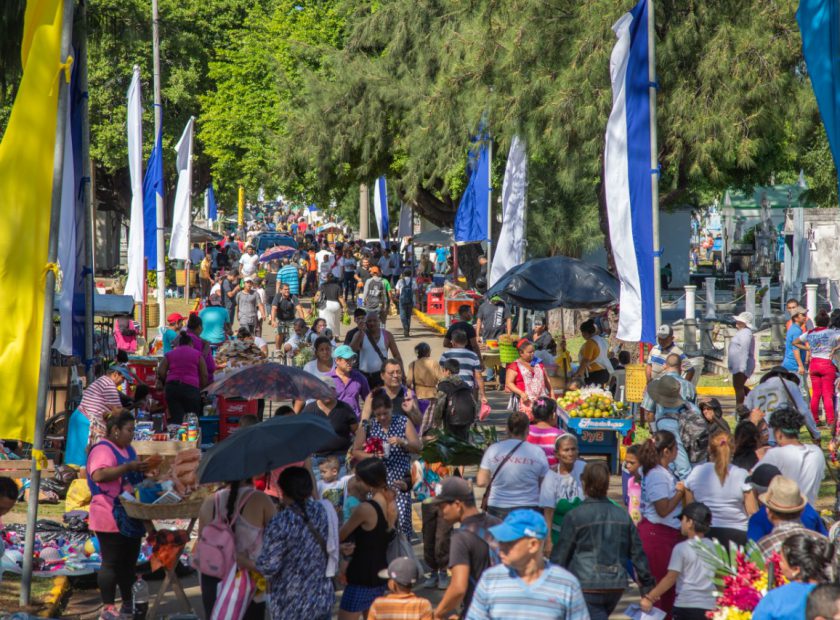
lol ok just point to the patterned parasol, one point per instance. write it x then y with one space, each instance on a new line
273 381
276 253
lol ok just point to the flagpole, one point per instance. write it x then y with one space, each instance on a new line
189 216
161 263
654 162
87 190
489 204
48 310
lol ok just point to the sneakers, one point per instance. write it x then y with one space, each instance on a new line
443 580
432 581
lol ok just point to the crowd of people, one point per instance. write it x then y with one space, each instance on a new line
534 534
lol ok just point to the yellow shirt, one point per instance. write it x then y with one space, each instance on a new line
589 353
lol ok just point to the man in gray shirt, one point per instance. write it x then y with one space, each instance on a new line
248 302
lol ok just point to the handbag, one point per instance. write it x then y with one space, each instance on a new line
486 498
400 547
233 595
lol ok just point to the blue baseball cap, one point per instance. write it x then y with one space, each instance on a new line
518 524
344 352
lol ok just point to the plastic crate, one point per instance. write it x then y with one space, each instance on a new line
434 307
230 410
210 430
147 373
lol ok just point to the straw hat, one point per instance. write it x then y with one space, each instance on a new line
665 391
783 496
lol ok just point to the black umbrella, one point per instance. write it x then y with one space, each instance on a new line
557 282
264 447
271 380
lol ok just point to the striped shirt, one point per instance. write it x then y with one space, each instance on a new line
289 275
545 438
400 606
100 397
502 594
658 355
469 363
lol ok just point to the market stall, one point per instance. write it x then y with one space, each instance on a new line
597 421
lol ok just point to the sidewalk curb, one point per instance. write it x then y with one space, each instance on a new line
429 322
55 599
715 391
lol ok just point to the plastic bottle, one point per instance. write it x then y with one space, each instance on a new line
192 426
140 597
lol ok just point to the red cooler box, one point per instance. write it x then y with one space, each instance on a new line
230 410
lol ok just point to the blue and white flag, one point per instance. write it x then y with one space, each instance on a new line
380 207
152 191
471 217
819 23
627 177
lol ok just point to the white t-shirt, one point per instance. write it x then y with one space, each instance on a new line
216 289
659 483
566 486
321 256
518 482
803 463
726 501
248 264
695 587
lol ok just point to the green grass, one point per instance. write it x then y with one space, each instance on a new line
10 594
714 381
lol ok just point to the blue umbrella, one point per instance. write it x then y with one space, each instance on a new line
264 447
276 253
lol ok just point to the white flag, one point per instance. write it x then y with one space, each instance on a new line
134 282
510 250
179 243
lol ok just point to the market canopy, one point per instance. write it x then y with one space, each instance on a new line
438 236
557 282
200 235
776 197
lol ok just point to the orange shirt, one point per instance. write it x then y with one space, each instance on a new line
400 606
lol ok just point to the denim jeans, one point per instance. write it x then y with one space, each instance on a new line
405 316
681 466
602 604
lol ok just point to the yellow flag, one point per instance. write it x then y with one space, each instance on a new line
26 170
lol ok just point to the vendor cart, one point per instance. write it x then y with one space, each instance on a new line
598 436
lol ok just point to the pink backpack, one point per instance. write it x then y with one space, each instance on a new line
214 553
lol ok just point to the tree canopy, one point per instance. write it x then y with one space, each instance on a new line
312 98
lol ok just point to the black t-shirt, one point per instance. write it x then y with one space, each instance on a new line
342 419
285 307
227 287
330 291
493 318
363 273
465 327
468 548
545 342
348 338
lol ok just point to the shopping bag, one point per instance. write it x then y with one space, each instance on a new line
233 595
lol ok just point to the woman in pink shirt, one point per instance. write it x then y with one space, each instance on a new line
113 467
543 432
182 374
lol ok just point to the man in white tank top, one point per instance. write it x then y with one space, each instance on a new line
373 343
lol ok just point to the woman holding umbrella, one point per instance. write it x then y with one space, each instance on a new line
526 379
389 436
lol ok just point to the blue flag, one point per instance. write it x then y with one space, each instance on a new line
471 217
152 186
212 209
819 23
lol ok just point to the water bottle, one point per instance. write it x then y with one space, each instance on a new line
140 597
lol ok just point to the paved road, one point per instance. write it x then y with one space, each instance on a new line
84 604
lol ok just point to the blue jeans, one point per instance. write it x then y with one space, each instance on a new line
405 316
602 604
681 466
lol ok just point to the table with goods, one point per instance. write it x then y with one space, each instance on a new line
597 420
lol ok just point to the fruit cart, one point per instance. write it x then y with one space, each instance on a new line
597 421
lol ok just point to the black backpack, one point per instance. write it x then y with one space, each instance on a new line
694 434
460 407
407 293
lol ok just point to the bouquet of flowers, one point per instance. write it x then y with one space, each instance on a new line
374 446
742 578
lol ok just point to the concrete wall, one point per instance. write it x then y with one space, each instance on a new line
825 224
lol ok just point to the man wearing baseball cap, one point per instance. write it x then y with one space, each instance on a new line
664 347
472 549
400 603
174 323
526 586
351 386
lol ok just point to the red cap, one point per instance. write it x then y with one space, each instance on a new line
175 317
